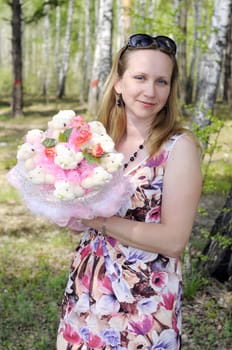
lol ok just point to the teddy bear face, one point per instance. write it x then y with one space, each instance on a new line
66 157
26 151
112 162
99 177
64 190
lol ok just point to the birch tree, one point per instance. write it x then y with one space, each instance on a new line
102 55
57 41
66 50
212 63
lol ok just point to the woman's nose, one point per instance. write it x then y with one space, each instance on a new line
150 89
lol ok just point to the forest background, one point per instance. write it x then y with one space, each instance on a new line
56 55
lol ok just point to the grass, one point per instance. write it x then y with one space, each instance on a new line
35 255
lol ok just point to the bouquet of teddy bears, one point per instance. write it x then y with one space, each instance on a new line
71 171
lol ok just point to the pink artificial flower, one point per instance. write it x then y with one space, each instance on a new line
97 150
83 136
76 122
50 152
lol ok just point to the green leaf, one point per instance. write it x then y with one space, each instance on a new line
64 136
89 157
49 142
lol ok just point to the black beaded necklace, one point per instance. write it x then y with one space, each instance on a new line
134 155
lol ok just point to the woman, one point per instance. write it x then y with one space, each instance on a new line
124 289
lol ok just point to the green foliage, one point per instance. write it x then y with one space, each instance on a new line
192 284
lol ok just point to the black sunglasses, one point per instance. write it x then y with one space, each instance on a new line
146 41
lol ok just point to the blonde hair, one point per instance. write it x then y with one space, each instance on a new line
113 116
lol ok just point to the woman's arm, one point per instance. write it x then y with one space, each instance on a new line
181 193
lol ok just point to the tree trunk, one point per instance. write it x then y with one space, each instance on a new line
17 89
65 60
46 50
57 42
227 86
195 52
219 247
208 83
102 55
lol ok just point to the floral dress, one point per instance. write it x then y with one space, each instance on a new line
119 297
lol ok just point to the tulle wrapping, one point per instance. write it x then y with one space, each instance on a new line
111 199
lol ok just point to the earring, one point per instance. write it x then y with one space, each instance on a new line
119 101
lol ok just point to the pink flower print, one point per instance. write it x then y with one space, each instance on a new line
168 300
141 327
85 282
99 250
153 215
140 342
105 285
85 251
159 280
71 335
94 341
157 160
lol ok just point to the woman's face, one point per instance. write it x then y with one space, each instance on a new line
145 84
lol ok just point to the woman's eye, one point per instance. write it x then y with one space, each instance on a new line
139 77
162 82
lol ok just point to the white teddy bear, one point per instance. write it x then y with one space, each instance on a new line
97 127
67 158
34 136
28 154
112 162
105 141
38 176
60 121
25 151
99 177
64 190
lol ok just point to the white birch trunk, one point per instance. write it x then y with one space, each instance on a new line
102 55
87 62
57 42
66 50
213 62
120 25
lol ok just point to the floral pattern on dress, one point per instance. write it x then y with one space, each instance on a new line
119 297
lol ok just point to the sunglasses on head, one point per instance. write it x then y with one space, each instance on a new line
145 41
